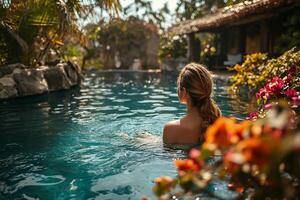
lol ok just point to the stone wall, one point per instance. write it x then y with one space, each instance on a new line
18 80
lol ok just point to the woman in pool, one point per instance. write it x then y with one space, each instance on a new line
194 86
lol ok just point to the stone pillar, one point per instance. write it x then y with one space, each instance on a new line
194 48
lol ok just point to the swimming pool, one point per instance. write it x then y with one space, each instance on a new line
100 141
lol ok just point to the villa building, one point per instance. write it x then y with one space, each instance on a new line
244 28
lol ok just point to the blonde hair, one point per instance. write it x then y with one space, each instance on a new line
198 83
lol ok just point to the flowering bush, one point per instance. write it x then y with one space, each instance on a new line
249 72
286 87
257 70
261 159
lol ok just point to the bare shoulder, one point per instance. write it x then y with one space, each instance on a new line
170 131
176 133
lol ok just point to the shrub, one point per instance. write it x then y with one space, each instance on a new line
249 72
258 70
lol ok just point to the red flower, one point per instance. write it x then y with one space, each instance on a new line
252 115
291 93
270 89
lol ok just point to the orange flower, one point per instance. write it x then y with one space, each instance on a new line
255 151
241 127
225 132
188 165
163 185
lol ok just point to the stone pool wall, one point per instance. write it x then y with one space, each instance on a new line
18 80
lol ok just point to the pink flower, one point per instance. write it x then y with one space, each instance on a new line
277 84
291 93
194 154
268 106
296 100
261 93
252 115
258 94
270 89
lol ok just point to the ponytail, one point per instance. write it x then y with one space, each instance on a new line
208 111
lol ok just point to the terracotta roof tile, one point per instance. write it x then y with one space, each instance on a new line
229 15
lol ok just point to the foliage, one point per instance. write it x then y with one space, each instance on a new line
172 46
249 72
123 40
31 28
143 10
291 36
123 34
191 9
259 158
256 69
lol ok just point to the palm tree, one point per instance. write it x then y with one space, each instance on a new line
30 28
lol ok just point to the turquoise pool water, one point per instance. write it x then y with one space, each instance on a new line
102 141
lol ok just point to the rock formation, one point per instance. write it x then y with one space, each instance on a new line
18 80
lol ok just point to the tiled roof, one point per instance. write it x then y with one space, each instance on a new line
230 14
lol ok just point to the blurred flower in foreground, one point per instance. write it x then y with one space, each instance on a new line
259 158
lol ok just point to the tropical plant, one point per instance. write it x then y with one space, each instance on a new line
30 28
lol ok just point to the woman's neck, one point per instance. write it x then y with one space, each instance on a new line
192 110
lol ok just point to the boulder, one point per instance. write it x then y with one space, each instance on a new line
73 73
30 82
56 78
8 87
17 80
8 69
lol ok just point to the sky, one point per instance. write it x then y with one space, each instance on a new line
156 4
